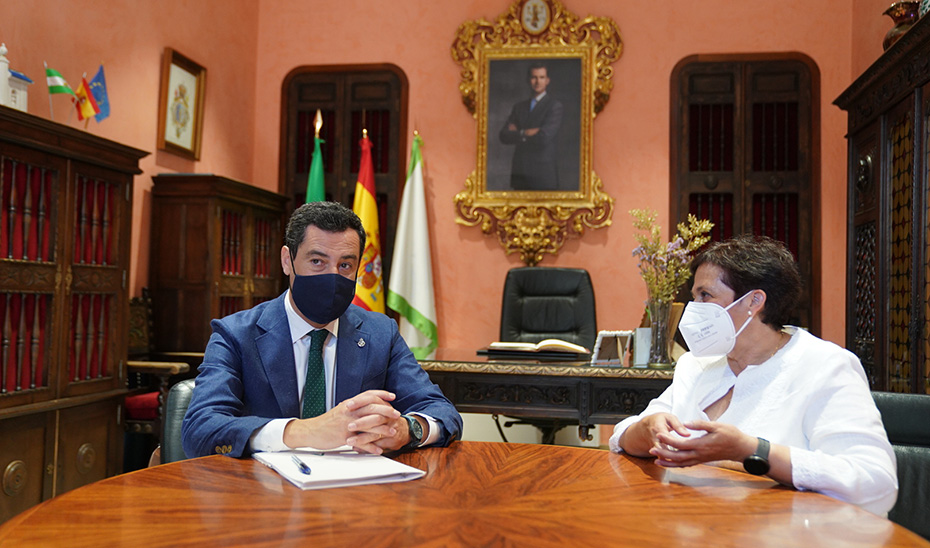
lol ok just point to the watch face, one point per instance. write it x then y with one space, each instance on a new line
756 465
535 16
417 430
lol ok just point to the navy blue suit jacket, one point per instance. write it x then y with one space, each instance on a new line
248 377
535 165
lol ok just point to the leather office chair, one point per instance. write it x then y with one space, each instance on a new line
179 397
547 303
907 421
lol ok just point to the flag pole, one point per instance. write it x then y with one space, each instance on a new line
51 111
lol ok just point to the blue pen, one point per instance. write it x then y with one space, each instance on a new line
301 465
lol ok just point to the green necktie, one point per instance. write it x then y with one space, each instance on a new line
315 387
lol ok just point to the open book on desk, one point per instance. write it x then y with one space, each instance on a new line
548 348
339 468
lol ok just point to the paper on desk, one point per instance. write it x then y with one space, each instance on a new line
337 469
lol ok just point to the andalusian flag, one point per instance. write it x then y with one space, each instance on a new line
316 186
56 82
85 103
369 292
411 290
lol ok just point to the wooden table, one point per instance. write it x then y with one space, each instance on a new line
574 391
474 494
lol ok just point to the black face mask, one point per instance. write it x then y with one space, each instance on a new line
324 297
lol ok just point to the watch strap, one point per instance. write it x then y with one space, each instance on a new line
758 463
762 450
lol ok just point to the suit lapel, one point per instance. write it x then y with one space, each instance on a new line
277 356
351 355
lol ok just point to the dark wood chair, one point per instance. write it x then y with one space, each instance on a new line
150 374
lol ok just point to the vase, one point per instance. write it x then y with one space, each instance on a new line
659 312
904 15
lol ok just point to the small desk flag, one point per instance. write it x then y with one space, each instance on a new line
56 82
410 292
85 104
369 293
98 88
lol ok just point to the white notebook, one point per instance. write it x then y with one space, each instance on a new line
337 468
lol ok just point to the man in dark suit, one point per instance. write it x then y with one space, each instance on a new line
533 126
269 383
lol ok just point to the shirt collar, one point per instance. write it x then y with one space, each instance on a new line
299 327
540 96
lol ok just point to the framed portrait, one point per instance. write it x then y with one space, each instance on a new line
181 104
549 160
535 80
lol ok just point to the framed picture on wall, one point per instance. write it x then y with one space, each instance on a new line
181 104
534 144
534 79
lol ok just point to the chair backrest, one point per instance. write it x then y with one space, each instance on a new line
140 324
907 421
548 303
179 397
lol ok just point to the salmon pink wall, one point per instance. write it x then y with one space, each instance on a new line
249 46
869 28
631 135
128 38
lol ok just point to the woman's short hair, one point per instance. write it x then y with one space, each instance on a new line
757 262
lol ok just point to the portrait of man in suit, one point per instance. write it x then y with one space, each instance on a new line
533 125
310 369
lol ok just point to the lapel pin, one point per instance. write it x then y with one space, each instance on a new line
361 343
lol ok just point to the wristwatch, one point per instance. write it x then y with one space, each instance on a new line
757 463
416 432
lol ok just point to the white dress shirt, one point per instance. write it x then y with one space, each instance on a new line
811 396
271 436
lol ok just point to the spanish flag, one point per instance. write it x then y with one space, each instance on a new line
84 103
369 293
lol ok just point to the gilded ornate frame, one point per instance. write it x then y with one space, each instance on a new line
181 104
534 222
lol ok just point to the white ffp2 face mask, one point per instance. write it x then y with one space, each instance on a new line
708 329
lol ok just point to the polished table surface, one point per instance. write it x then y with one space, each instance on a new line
474 494
575 391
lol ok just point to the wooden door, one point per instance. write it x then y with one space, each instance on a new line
350 98
743 136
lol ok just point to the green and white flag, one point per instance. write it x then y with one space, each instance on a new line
316 185
410 291
56 82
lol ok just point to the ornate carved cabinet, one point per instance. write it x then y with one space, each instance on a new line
65 219
215 250
888 260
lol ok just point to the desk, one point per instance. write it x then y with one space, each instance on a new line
574 391
474 494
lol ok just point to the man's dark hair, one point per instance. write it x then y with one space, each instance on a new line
328 216
757 262
537 65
